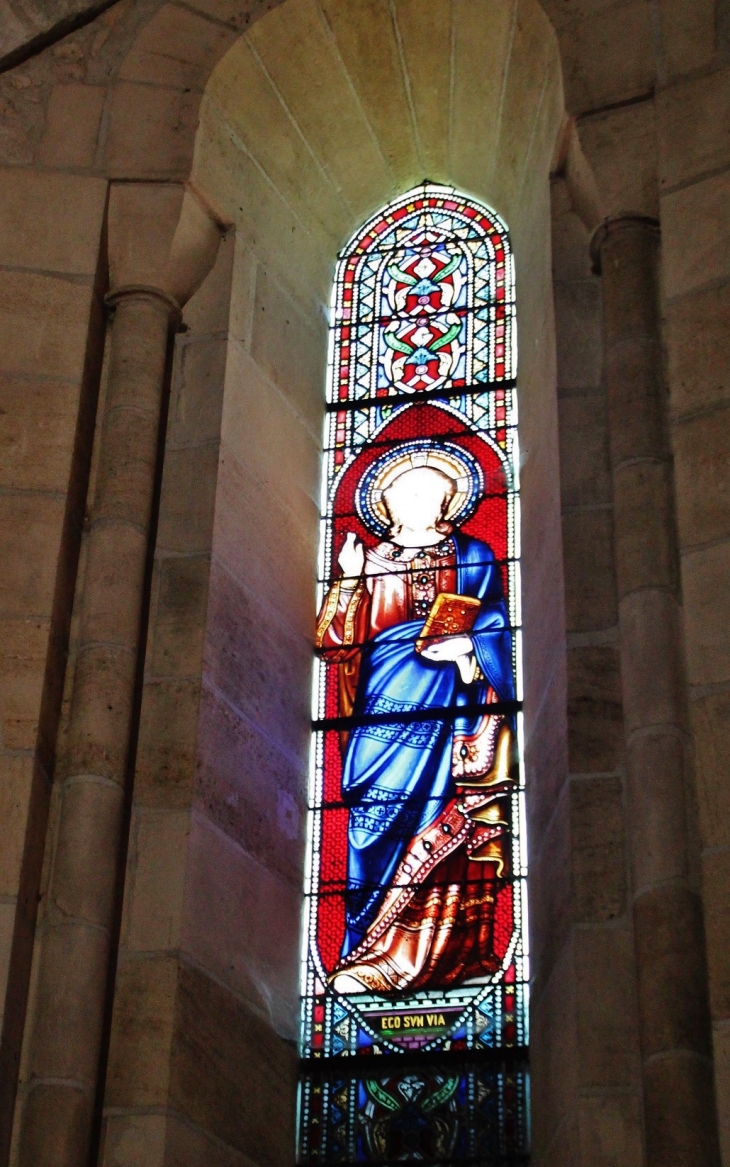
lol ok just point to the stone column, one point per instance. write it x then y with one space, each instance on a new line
83 889
677 1072
162 242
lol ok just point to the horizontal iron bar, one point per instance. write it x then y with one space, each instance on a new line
445 713
384 443
516 1057
424 395
330 654
517 1159
485 1159
368 320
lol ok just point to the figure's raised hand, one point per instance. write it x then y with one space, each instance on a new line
352 557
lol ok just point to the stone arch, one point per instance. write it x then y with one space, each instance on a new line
301 138
161 66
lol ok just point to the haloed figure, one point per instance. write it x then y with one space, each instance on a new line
428 799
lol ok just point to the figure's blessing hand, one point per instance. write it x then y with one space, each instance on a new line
351 559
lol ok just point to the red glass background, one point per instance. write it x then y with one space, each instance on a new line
488 523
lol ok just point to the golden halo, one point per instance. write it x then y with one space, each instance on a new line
451 460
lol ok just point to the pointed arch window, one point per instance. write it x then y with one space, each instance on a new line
414 1023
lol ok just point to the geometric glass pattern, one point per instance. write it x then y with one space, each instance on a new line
414 962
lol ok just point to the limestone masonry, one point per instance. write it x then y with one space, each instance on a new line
178 177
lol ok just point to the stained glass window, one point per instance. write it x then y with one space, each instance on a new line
414 1024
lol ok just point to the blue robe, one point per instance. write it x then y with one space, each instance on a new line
397 776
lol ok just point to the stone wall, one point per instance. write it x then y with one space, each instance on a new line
693 116
297 144
52 340
591 1073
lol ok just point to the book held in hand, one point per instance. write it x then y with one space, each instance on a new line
450 615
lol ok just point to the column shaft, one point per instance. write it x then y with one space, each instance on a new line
667 908
75 945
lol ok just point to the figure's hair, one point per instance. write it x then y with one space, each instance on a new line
443 526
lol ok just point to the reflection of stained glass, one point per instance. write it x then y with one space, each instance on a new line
415 938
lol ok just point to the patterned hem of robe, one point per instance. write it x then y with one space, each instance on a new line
435 926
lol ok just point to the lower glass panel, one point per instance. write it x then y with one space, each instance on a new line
425 1111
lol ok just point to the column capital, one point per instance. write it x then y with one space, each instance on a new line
614 224
146 292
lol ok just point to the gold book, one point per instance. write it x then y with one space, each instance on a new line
450 616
